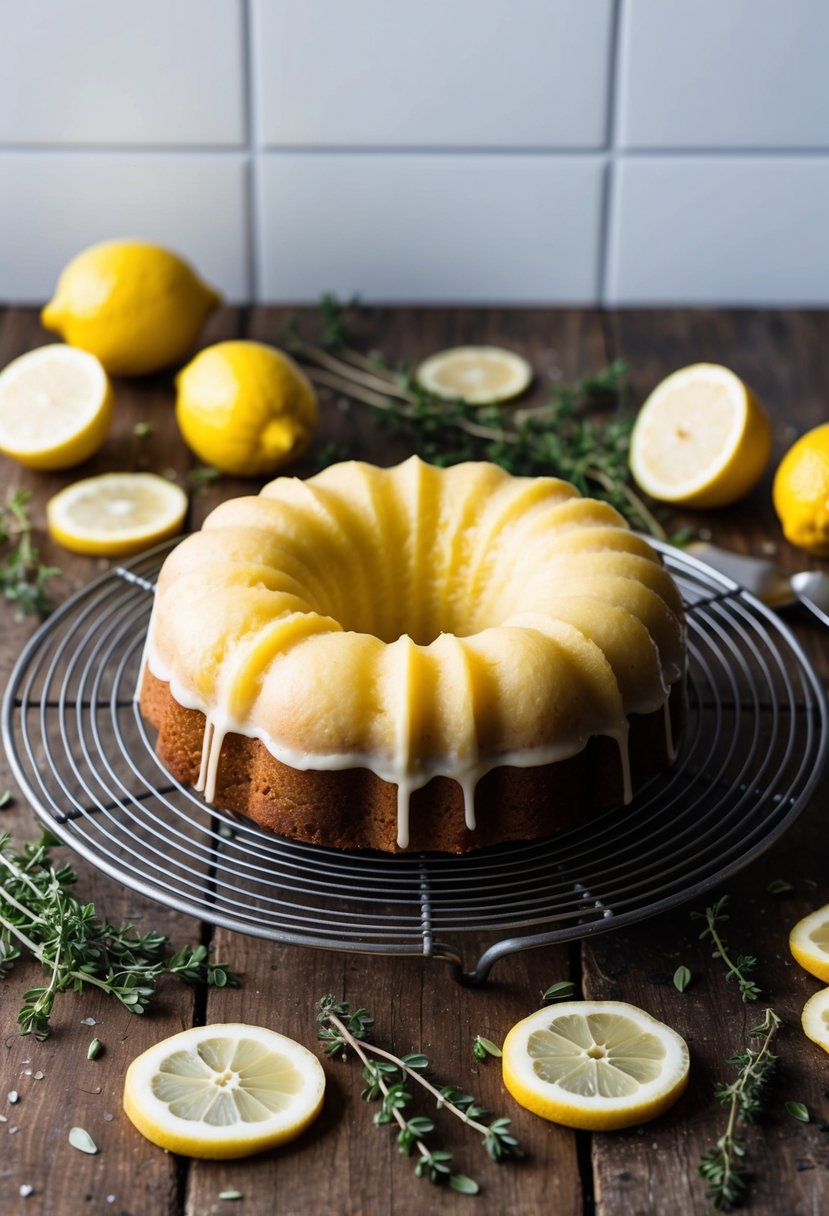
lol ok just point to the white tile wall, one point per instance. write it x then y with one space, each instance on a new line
701 230
94 72
505 73
725 74
426 227
552 151
53 205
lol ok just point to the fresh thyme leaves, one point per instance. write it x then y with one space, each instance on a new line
5 799
562 991
482 1048
738 968
23 577
780 886
386 1077
721 1166
555 438
682 978
40 915
798 1111
202 476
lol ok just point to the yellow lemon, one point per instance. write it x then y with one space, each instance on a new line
701 439
245 408
478 375
801 492
815 1018
224 1091
598 1065
136 306
116 513
56 407
809 943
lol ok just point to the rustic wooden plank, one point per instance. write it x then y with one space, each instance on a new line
783 356
75 1091
346 1165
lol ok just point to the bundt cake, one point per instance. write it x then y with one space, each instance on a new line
414 657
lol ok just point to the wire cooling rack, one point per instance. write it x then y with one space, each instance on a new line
754 745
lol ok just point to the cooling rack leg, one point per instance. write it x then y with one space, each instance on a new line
480 972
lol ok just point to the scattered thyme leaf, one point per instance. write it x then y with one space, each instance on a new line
738 968
5 799
231 1195
682 978
722 1166
40 915
202 476
80 1139
143 430
483 1047
23 577
94 1049
560 991
386 1077
779 886
798 1111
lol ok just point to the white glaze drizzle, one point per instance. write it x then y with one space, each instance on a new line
396 770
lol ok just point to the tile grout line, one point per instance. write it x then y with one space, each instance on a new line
608 237
253 244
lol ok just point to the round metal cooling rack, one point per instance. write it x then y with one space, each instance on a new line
754 745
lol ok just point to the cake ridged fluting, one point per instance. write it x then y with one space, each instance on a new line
413 623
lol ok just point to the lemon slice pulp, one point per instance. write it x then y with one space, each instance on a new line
815 1018
478 375
226 1090
116 513
809 943
597 1065
56 407
701 439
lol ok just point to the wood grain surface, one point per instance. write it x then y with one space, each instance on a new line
344 1164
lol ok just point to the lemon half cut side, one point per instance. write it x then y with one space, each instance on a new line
56 407
478 375
809 943
596 1065
116 514
815 1018
226 1090
701 439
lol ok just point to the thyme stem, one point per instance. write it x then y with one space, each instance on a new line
357 1047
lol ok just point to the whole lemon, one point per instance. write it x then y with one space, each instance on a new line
136 306
801 492
245 407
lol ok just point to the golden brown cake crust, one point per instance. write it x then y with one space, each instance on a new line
356 809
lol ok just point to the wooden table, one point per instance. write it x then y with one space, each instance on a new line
345 1164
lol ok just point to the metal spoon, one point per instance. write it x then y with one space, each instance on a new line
812 589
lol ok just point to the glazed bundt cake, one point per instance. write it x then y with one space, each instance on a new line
415 657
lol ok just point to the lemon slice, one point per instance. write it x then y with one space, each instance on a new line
478 375
116 513
597 1065
224 1091
701 439
815 1018
809 943
56 407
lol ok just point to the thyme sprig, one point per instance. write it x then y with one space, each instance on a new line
555 438
23 577
722 1166
40 915
738 968
386 1077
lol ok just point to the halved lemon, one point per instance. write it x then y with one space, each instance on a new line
815 1018
116 513
809 943
598 1065
701 439
56 407
478 375
227 1090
